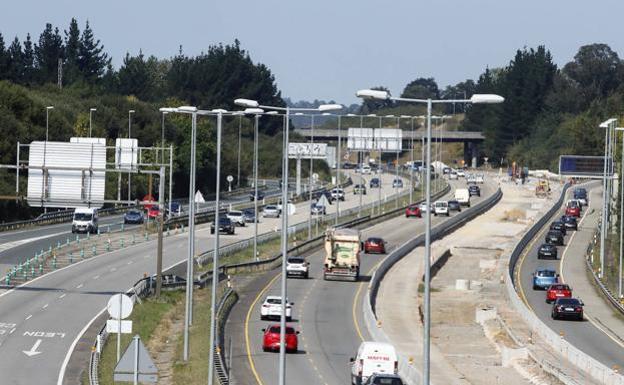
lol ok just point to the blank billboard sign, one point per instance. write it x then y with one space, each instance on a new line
584 166
388 139
126 154
360 139
66 179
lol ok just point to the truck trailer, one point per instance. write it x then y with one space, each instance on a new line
342 254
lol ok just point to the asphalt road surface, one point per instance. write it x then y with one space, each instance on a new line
584 335
42 321
327 314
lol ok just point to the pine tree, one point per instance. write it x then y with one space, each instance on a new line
28 76
4 60
47 54
16 62
71 68
93 61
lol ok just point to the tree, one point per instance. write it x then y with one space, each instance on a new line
4 60
15 67
421 88
72 52
92 61
29 61
597 70
47 54
134 77
370 106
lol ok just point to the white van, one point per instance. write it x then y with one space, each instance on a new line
373 357
462 195
441 208
85 220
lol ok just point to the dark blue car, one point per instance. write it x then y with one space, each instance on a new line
133 216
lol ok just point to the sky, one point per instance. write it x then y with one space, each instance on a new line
327 50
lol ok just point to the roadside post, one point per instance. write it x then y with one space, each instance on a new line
119 307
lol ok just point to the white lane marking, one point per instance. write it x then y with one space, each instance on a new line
9 245
46 305
79 286
29 317
12 330
130 262
96 277
62 296
113 269
146 256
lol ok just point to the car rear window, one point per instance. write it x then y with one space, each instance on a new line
560 287
296 260
546 273
270 207
276 329
568 301
274 301
387 381
374 240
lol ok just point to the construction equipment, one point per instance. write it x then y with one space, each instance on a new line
542 190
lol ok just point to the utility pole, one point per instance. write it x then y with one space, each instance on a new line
161 196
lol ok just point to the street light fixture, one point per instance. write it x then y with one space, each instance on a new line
475 99
248 103
91 111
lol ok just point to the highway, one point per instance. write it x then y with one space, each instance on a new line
327 314
586 335
54 310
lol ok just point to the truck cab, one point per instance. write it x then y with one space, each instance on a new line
85 220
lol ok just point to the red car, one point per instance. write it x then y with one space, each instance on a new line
573 209
413 211
559 290
153 212
271 339
375 245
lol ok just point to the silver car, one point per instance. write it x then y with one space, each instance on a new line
271 211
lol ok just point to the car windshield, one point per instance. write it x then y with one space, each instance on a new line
296 260
235 213
134 212
175 206
553 233
82 217
224 221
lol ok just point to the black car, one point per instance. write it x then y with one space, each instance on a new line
554 237
225 226
474 190
374 183
454 205
349 166
559 226
359 189
547 250
133 216
569 222
252 195
567 308
249 215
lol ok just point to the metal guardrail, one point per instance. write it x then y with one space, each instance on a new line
584 362
406 367
222 367
610 296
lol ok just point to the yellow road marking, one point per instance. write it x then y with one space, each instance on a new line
247 318
355 302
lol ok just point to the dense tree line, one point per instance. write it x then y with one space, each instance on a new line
29 72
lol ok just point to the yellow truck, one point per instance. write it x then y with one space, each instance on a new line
342 254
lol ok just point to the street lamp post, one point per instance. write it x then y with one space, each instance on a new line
477 98
284 246
162 135
608 126
240 123
130 136
91 111
257 113
621 215
45 145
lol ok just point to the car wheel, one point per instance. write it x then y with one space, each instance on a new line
448 214
306 275
534 287
211 231
263 318
264 349
288 319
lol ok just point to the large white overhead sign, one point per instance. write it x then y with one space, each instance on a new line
61 174
307 150
360 139
126 154
388 140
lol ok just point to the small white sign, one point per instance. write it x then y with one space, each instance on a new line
230 178
291 209
119 306
112 326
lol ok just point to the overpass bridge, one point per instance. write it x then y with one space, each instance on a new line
470 139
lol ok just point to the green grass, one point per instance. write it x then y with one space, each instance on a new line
145 319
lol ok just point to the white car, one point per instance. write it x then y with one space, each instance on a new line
271 211
453 175
338 193
461 173
366 169
441 208
471 178
272 308
297 266
480 178
423 207
236 217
